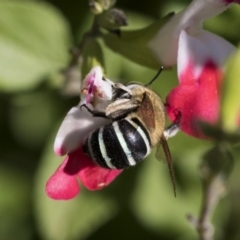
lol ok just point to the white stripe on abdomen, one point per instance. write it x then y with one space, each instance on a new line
123 144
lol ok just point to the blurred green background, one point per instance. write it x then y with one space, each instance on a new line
35 38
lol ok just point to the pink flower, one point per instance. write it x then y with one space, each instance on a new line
197 96
77 125
200 57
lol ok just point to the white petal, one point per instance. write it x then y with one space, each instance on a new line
200 10
78 123
165 42
107 89
219 48
200 49
96 73
74 130
192 52
95 89
90 82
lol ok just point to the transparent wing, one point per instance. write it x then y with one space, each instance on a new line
160 155
163 154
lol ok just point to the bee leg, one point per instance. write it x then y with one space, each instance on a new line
94 112
173 129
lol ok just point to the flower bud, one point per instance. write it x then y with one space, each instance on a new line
92 56
112 19
106 4
217 160
98 6
95 7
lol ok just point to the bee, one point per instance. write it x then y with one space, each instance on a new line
137 125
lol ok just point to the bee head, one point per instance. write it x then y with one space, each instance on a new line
121 92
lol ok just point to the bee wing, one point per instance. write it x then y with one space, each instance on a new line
147 111
166 157
160 155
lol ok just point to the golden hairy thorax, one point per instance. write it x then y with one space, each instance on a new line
150 112
143 104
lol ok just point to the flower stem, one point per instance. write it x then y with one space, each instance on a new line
72 74
77 51
213 191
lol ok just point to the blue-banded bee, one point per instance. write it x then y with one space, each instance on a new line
137 125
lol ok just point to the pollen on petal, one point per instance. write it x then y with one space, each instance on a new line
96 91
91 82
96 178
101 185
90 89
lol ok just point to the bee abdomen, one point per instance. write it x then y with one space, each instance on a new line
136 138
119 145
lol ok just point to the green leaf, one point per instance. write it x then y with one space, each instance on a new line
73 219
132 44
230 101
14 202
154 201
217 160
217 133
34 41
31 116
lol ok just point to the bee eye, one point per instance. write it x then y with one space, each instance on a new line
125 96
121 94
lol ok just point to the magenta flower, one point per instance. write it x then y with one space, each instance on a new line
77 125
200 57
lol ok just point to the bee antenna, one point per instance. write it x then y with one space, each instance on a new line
158 73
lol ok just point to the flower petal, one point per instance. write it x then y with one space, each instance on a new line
78 123
192 56
94 88
63 184
69 135
74 130
219 49
165 42
197 96
197 101
199 50
94 177
93 78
